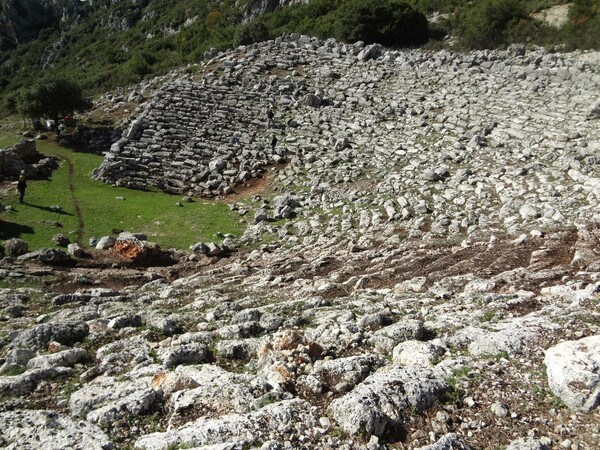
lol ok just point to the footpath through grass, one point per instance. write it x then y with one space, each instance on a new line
90 208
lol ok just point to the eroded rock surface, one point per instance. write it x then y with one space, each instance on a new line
49 430
573 369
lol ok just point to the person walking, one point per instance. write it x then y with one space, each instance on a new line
21 186
270 118
273 144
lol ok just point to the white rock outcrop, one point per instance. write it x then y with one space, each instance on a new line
380 400
573 370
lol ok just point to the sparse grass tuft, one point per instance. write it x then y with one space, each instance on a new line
14 371
488 315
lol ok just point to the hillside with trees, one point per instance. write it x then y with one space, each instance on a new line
103 44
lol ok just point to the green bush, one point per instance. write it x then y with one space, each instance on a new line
583 29
316 18
255 31
432 6
487 24
388 22
139 65
528 31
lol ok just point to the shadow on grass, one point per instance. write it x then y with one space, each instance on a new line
10 230
46 208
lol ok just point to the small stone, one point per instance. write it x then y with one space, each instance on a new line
499 409
373 443
54 347
61 240
470 402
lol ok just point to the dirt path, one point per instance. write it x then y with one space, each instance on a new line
81 224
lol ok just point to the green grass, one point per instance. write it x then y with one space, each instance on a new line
8 140
489 315
155 214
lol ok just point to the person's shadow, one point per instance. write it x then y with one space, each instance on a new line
46 208
10 230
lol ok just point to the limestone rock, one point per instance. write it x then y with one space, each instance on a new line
104 399
417 353
380 400
343 374
50 256
573 370
123 355
39 336
450 441
527 444
106 242
290 413
385 339
65 358
25 383
15 247
16 359
61 240
75 250
192 353
46 430
218 392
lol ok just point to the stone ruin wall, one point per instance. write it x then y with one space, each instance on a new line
183 141
202 135
24 158
407 114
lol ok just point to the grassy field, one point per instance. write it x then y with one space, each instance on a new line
90 208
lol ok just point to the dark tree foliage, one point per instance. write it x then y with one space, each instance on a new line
488 24
50 98
255 31
387 22
583 29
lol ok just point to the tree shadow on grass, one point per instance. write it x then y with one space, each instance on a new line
10 230
46 208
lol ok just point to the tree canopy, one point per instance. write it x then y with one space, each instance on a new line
387 22
50 98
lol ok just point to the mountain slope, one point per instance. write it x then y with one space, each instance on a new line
107 43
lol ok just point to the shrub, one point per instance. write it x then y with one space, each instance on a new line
527 31
486 25
388 22
255 31
583 29
137 65
316 18
214 20
431 6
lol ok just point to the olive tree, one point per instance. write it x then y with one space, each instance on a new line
51 98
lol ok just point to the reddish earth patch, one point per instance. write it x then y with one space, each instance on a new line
255 186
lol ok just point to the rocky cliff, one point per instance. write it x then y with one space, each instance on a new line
255 8
22 20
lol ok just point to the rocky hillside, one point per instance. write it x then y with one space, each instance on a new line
424 275
22 20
